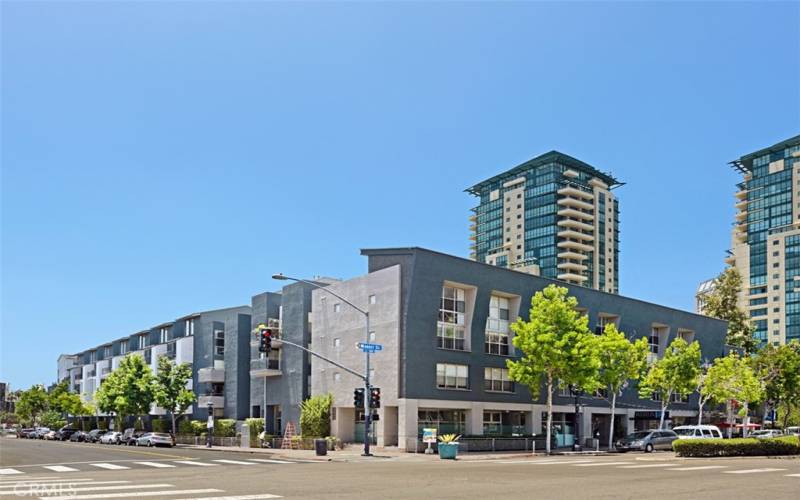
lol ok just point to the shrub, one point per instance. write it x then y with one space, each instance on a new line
741 447
102 425
256 426
225 427
198 427
185 428
161 425
315 416
86 425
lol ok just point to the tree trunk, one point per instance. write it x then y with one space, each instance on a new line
663 411
611 430
745 419
785 415
700 412
549 413
729 417
174 433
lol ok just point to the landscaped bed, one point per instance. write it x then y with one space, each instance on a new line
740 447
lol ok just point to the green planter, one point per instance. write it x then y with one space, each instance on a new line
448 450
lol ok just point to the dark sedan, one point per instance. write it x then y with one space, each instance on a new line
78 436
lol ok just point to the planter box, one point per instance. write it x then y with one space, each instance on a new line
448 450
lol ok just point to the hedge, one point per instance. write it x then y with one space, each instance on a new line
161 425
225 427
740 447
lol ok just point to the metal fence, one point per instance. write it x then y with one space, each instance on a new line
202 440
484 444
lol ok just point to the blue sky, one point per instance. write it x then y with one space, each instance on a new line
163 158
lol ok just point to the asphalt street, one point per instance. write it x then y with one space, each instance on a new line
75 472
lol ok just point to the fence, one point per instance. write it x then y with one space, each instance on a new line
202 440
484 444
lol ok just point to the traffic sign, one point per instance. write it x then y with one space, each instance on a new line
369 347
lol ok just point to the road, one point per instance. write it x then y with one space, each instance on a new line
82 471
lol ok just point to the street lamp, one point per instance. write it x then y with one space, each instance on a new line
210 423
576 446
368 388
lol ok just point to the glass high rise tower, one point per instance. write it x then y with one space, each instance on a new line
553 216
766 240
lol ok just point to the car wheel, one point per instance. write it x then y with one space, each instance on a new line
149 444
648 448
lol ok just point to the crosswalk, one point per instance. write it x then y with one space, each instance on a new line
52 488
663 466
11 472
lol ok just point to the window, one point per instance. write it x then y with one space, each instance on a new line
337 342
452 376
564 390
123 347
496 379
163 335
492 422
373 299
497 329
219 342
677 398
337 376
337 308
656 396
603 320
143 341
188 327
107 352
372 336
451 329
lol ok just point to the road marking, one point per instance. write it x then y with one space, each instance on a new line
91 487
646 466
155 464
749 471
8 484
548 462
234 462
109 466
792 475
236 497
602 463
132 494
53 484
270 461
60 468
702 467
190 462
7 472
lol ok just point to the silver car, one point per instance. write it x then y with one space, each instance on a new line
154 439
766 433
647 441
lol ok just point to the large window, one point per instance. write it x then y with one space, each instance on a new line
163 335
497 329
451 329
188 328
143 341
492 423
452 376
219 342
496 379
444 421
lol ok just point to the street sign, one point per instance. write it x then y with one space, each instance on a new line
369 347
210 422
429 436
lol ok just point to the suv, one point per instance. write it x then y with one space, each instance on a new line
94 435
22 433
65 433
697 432
792 431
647 441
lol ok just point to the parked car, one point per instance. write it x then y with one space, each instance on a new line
130 436
78 437
792 431
22 433
111 437
40 432
697 431
647 441
94 435
766 433
65 433
154 439
51 436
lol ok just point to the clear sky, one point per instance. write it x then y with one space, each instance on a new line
163 158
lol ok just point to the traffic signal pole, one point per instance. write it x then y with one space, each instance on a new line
367 396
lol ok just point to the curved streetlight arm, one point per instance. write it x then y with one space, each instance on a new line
322 287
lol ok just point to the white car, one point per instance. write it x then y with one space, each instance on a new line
697 432
110 438
792 431
766 433
154 439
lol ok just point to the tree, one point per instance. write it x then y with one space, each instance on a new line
722 303
31 404
779 368
128 390
315 415
170 388
620 362
65 402
675 374
556 346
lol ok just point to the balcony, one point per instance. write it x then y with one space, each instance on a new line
473 218
572 266
572 255
575 203
741 215
473 237
217 400
473 227
740 236
205 375
577 278
730 260
575 193
575 214
575 224
575 235
741 205
265 367
575 245
741 195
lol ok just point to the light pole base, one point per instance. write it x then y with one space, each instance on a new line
367 455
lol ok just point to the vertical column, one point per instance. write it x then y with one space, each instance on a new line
407 412
475 419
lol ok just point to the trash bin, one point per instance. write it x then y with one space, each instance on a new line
321 447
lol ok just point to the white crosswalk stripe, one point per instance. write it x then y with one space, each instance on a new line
133 494
6 484
191 462
108 466
270 461
750 471
699 467
60 468
602 463
158 465
544 462
8 472
646 466
236 497
234 462
792 475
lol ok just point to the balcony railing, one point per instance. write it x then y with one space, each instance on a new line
265 367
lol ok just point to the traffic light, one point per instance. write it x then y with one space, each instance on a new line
265 340
358 397
375 397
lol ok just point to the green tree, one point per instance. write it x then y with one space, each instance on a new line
722 303
31 404
170 388
63 401
676 373
621 361
128 390
556 346
779 368
315 416
52 419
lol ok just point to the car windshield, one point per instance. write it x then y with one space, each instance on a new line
161 434
684 432
638 435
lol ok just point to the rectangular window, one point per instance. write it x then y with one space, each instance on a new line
163 335
496 379
189 327
492 422
450 376
337 342
497 326
337 308
143 341
123 347
451 327
107 352
219 342
373 299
